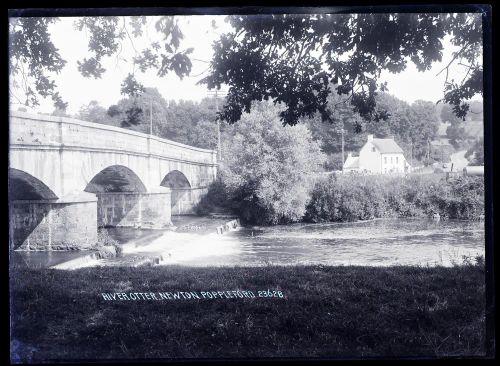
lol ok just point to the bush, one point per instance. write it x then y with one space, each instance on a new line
333 162
107 246
215 200
351 198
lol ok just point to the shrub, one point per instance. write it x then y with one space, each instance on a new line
104 244
215 200
350 198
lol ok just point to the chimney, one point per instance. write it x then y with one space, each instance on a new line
370 138
391 137
349 155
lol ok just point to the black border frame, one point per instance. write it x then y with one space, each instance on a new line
26 8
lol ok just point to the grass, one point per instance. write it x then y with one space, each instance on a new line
338 312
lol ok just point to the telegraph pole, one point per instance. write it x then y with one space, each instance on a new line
216 94
150 116
411 158
219 147
342 133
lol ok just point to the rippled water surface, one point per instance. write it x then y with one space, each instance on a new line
374 243
379 242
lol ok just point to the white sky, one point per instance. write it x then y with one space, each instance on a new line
409 85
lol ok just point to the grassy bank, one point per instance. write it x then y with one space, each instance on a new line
325 311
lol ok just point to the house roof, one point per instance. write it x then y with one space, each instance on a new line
387 146
352 162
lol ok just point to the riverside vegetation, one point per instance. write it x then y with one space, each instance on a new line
350 198
356 197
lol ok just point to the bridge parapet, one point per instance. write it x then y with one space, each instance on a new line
55 132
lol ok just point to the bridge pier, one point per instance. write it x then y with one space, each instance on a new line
184 200
61 224
134 209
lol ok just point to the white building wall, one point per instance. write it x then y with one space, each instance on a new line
370 159
393 163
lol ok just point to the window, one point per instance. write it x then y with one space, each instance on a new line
373 149
397 160
385 160
391 159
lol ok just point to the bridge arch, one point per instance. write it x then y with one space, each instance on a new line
24 186
119 193
175 179
181 200
115 178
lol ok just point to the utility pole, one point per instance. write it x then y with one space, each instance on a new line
342 133
216 94
219 147
150 116
411 156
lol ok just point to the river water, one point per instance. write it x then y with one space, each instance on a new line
382 242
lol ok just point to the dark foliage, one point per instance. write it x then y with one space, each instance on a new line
351 198
294 59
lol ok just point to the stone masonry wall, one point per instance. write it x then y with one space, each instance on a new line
146 210
53 226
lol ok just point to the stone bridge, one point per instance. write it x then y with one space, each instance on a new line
67 177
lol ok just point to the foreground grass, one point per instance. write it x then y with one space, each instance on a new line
346 312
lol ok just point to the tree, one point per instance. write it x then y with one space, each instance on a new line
268 173
290 59
133 112
294 59
447 115
330 134
187 122
204 134
423 127
475 154
60 113
33 56
457 135
93 112
412 126
184 119
476 111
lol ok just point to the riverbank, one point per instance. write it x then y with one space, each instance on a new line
355 197
324 311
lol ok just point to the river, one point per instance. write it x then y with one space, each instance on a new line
382 242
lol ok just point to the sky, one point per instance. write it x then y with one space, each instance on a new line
409 85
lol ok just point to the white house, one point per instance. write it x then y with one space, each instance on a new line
378 156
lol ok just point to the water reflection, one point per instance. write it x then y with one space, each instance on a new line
374 243
377 243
